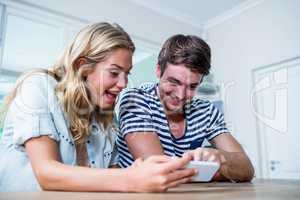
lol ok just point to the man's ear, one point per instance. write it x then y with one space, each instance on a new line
158 71
201 79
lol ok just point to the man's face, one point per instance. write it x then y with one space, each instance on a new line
177 86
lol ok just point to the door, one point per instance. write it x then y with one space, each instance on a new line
276 105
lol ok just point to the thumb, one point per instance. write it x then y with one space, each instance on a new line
137 162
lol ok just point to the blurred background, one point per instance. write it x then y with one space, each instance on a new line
255 58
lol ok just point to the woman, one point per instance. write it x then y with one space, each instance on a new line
59 133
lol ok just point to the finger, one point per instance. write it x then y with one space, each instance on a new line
222 159
211 155
178 182
206 155
188 156
176 163
190 153
180 174
212 158
159 159
137 162
198 154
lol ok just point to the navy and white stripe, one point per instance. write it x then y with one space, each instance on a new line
141 111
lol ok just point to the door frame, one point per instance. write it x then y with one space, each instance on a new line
263 161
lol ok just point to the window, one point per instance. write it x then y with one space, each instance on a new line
30 38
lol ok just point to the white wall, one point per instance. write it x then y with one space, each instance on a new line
262 35
135 19
143 72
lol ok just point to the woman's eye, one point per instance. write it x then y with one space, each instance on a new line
114 74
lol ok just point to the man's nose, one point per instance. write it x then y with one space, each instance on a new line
181 93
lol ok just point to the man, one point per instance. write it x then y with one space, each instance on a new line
164 118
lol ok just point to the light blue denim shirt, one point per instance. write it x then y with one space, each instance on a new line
36 111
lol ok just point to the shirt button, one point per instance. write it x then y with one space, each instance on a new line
88 141
93 162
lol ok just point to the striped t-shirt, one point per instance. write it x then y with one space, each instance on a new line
141 111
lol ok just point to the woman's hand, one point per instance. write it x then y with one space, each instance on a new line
158 173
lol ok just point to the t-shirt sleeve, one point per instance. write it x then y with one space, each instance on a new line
216 124
114 160
31 116
135 113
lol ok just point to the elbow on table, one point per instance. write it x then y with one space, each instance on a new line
47 179
248 175
251 173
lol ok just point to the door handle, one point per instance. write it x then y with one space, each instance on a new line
273 164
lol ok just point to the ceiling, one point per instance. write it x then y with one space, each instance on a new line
194 12
180 15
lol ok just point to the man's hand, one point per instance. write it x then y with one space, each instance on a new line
207 154
212 155
233 165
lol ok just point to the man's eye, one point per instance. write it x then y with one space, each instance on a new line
192 87
173 82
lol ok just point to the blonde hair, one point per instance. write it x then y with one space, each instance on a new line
93 43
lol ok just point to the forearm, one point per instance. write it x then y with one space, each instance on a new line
57 176
236 167
144 145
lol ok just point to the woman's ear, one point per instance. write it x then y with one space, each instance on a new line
78 63
82 70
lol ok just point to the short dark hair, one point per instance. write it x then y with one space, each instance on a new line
189 50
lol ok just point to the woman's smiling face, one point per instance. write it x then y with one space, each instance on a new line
109 78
